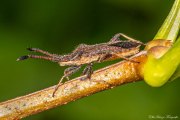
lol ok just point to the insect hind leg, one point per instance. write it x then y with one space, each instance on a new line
127 59
118 35
67 72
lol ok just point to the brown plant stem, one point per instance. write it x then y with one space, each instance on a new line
105 78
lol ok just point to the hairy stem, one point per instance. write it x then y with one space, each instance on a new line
106 78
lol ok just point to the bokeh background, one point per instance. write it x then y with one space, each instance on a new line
59 26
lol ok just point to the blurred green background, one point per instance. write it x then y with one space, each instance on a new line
59 26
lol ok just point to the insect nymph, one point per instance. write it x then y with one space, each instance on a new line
90 54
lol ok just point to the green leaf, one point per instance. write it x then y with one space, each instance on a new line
158 71
176 74
169 29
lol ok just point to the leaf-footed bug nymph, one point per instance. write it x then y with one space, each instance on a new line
90 54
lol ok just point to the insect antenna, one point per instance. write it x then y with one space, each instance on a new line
54 59
49 56
41 51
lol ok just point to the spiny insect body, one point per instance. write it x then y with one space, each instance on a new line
90 54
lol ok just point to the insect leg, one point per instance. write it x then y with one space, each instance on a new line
125 58
71 70
41 51
88 71
103 57
116 37
67 72
37 57
128 59
76 55
110 53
